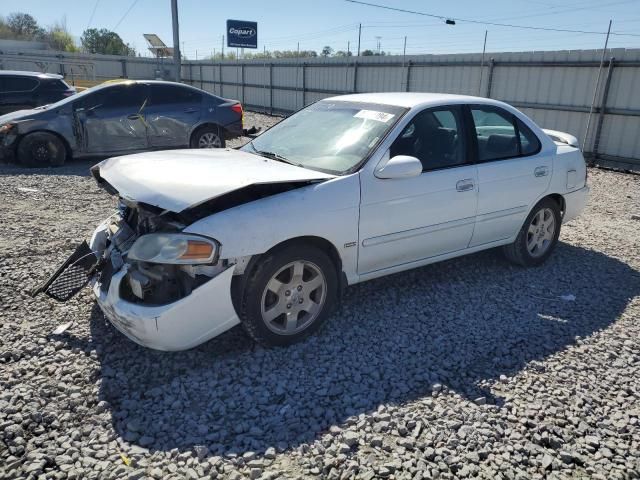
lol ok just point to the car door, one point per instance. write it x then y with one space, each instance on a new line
512 172
172 113
112 119
411 219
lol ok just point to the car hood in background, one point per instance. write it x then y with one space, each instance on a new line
18 115
178 179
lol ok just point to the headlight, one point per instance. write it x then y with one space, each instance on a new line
6 127
174 248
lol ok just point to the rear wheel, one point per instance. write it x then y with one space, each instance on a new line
41 149
289 294
208 137
538 236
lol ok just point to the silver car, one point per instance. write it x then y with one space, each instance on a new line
119 118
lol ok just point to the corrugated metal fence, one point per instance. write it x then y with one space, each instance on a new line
554 88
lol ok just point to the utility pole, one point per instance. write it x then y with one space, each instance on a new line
378 39
595 89
484 48
359 35
176 41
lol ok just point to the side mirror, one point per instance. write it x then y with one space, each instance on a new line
400 166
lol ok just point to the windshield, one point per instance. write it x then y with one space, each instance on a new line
330 136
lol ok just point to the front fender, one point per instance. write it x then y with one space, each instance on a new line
329 210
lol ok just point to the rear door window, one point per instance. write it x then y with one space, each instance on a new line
501 135
19 84
173 94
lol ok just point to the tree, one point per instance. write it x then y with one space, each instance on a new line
24 26
59 38
342 53
326 51
106 42
367 53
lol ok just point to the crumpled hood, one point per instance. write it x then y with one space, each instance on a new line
178 179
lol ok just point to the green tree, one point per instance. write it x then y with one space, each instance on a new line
24 26
59 38
106 42
367 53
326 51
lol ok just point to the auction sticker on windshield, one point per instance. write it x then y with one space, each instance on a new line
374 115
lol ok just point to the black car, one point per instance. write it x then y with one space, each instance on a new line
22 90
118 118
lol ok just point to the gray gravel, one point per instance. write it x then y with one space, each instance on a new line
468 368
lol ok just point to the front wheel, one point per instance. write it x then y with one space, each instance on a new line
41 149
289 294
208 137
538 236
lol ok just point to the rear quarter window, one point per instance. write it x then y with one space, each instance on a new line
57 85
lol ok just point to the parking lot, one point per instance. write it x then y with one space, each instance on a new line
467 368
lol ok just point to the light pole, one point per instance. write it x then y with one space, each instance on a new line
176 41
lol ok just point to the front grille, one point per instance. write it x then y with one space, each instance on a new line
72 276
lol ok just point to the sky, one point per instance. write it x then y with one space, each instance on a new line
314 24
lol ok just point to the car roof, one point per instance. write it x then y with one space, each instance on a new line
5 73
413 99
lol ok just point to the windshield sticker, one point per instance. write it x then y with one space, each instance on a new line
374 115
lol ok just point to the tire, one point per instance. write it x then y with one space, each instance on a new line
41 149
208 137
538 236
303 305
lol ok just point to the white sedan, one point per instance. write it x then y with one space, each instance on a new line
348 189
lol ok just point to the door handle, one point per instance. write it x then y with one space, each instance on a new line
464 185
542 171
133 116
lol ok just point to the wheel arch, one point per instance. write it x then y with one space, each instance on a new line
65 142
204 125
239 281
559 199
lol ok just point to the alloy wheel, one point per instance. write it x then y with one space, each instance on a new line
293 298
541 232
209 140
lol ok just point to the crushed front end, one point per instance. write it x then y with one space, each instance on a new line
161 288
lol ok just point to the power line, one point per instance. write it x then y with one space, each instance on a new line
133 4
95 7
480 22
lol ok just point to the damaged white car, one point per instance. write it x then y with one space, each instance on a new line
348 189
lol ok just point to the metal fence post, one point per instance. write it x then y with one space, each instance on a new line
190 73
271 88
355 76
408 78
201 82
603 108
242 82
124 68
220 78
490 78
304 83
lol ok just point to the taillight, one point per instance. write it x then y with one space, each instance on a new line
237 107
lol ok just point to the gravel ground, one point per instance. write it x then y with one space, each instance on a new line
468 368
